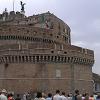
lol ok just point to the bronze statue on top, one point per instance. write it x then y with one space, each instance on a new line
22 6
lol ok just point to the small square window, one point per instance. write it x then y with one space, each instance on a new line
58 73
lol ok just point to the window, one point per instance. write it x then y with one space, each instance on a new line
65 59
68 59
51 58
66 39
52 25
22 58
57 36
52 51
55 58
51 34
37 58
45 58
58 73
33 58
65 52
48 58
97 87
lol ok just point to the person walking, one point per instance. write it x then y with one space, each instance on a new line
49 96
18 97
63 97
57 95
3 95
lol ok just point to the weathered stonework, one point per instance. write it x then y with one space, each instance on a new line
36 54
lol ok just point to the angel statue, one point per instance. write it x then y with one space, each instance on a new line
22 6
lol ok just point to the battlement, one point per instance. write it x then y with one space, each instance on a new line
60 30
10 16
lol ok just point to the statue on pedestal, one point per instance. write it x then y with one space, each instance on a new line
22 6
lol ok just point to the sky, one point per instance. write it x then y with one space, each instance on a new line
83 17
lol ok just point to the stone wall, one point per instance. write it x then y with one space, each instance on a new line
36 54
32 77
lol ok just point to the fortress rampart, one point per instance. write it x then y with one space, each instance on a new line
36 54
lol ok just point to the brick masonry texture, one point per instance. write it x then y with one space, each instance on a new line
36 55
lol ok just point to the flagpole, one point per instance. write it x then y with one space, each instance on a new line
13 5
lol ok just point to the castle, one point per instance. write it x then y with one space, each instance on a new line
36 54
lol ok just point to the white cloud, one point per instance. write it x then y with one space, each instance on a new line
96 25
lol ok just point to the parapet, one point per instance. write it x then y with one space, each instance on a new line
12 15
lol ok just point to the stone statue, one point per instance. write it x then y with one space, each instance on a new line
22 6
5 9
